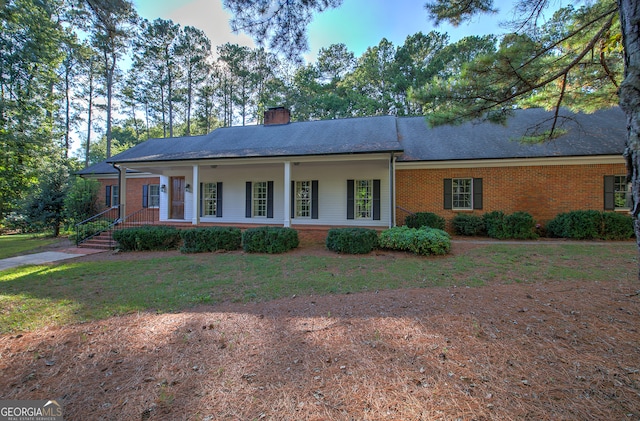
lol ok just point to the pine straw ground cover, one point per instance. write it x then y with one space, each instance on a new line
546 350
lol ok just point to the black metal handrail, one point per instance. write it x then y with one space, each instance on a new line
108 221
144 216
97 224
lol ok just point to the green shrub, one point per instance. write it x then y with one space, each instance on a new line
424 219
617 226
520 225
591 224
424 241
269 240
352 240
201 240
149 237
494 225
464 224
579 225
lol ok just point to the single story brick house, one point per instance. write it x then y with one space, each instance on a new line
371 171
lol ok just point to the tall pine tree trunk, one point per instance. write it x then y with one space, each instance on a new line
630 99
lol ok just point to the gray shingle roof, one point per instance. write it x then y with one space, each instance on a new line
325 137
600 133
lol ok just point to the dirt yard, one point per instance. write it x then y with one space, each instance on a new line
544 351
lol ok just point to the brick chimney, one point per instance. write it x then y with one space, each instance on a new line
277 115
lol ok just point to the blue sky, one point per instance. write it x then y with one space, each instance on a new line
357 23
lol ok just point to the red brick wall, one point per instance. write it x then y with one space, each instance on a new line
543 191
134 191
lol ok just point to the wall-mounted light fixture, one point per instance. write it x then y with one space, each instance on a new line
188 188
163 188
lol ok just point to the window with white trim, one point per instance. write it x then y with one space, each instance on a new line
115 195
303 199
209 199
363 197
153 195
260 199
462 193
622 192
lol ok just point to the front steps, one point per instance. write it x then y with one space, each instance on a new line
102 241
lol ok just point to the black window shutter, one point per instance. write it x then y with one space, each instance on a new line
314 199
376 200
269 199
609 192
448 193
218 200
145 196
477 193
350 199
107 196
293 199
247 207
201 204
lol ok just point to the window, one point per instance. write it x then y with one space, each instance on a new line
210 199
303 199
617 193
153 196
260 199
462 193
113 196
363 199
621 192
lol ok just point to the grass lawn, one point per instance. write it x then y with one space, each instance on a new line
35 296
16 244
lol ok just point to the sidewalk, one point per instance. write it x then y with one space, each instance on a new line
45 257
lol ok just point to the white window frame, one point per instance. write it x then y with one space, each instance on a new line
209 199
259 199
363 199
153 195
621 192
462 193
303 199
115 195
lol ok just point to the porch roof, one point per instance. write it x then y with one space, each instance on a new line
324 137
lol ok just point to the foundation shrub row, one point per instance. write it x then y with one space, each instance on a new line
580 225
423 234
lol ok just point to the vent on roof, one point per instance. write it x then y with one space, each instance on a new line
277 115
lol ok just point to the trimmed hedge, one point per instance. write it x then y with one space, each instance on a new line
470 225
269 240
519 225
424 241
202 240
591 224
150 237
352 240
425 219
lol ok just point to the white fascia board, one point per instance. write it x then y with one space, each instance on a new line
256 161
512 162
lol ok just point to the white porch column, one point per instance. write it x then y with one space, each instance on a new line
122 194
287 194
195 189
392 190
